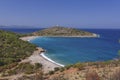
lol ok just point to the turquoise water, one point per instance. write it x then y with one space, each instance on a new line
71 50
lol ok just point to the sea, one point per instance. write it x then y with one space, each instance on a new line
70 50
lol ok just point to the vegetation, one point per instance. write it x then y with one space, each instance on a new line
25 67
13 50
59 78
38 65
62 69
88 71
62 31
51 72
80 66
56 68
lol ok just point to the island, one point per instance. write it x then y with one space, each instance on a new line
58 31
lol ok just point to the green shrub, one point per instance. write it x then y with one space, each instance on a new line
80 66
26 68
68 66
11 72
51 72
56 69
38 65
62 69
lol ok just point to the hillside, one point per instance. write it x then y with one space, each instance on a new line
109 70
13 50
63 31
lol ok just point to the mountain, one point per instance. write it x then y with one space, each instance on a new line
57 31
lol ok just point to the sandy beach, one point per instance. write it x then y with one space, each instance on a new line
28 38
39 57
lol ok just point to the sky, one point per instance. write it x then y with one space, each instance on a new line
70 13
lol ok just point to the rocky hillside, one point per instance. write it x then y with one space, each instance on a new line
63 31
109 70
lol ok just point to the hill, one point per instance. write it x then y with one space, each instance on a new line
57 31
13 50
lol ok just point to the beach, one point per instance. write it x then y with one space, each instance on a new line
39 57
28 38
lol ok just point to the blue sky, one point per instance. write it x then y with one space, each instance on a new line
73 13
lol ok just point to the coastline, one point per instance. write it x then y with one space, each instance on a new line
28 38
39 57
93 36
43 55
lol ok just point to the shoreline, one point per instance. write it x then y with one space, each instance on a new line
49 59
28 38
39 57
93 36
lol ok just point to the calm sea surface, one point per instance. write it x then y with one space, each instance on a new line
72 50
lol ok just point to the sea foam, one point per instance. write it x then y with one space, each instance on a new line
43 55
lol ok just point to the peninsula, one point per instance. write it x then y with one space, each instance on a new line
58 31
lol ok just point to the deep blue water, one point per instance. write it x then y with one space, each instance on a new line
22 30
72 50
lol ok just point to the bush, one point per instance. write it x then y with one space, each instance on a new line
11 72
68 66
80 66
25 67
51 72
56 69
62 69
38 65
28 68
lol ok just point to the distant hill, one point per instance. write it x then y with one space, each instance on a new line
63 31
